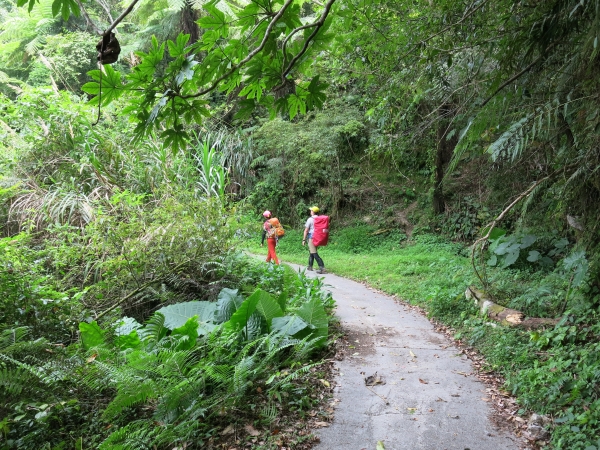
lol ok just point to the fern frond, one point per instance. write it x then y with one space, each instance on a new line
510 141
176 5
131 394
242 374
137 435
11 336
219 374
269 412
294 375
154 330
14 381
32 370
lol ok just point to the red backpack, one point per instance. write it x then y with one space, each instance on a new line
321 233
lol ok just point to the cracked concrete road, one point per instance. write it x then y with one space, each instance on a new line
430 399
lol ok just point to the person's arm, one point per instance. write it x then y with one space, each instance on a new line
305 234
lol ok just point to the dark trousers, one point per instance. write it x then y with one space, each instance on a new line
311 259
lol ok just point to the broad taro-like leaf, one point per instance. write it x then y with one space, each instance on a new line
126 334
178 314
240 318
260 301
268 307
511 258
126 326
313 313
91 335
187 334
228 302
288 325
131 340
528 240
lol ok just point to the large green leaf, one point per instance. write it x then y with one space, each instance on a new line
127 335
188 334
131 340
177 48
112 86
239 319
313 313
91 335
228 301
288 325
268 307
261 302
178 314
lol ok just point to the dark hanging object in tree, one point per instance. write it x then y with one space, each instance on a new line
108 49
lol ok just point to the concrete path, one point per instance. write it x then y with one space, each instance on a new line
429 400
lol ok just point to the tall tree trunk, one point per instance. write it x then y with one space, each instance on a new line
445 148
188 23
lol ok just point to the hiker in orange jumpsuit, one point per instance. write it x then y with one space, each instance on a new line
269 234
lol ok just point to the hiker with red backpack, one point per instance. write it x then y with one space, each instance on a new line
272 231
316 230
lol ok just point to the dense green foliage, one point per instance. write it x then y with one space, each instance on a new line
127 318
125 190
152 383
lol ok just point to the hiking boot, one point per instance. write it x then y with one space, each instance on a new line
321 270
310 269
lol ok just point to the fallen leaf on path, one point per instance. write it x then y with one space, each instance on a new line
325 383
229 430
422 381
321 424
412 354
380 446
251 430
372 380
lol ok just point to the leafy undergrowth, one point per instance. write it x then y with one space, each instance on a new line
554 371
246 370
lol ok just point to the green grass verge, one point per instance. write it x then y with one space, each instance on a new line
416 271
